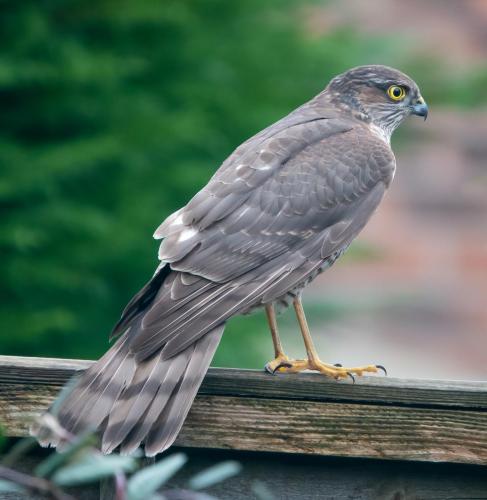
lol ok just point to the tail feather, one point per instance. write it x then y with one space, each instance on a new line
91 382
99 405
72 402
133 402
92 399
133 409
166 429
131 398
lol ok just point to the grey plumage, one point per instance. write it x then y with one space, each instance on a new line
282 208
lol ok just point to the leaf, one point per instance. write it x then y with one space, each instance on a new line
56 460
137 453
18 450
2 437
147 481
10 487
92 468
216 474
63 394
261 491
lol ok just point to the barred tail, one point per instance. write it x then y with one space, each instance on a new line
132 401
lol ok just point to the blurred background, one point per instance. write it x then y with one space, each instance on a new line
114 113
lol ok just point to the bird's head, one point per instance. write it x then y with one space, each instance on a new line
378 94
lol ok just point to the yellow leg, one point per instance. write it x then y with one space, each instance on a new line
313 362
280 358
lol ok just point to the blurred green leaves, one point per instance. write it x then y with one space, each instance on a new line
112 116
11 487
147 481
81 463
92 468
215 474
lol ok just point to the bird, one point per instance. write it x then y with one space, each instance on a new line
280 210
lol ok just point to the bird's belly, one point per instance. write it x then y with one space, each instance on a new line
286 299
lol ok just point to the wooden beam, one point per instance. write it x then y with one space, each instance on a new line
378 417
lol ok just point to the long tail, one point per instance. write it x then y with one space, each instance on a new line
132 401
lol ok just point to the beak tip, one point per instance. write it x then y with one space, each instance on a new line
421 109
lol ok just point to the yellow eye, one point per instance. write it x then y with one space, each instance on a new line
396 93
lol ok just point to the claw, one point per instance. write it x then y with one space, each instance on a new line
268 369
280 365
283 365
351 376
380 367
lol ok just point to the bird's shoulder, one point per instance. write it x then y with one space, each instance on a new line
299 180
306 134
359 153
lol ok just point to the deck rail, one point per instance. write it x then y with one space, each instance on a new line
376 417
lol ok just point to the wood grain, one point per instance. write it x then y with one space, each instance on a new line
254 383
378 418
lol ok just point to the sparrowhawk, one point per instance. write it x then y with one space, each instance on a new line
280 210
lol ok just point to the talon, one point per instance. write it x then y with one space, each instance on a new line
268 369
283 365
281 361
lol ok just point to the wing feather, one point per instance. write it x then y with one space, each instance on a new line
271 216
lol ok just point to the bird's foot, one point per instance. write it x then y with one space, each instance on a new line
334 371
281 361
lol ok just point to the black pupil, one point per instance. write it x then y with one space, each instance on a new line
397 92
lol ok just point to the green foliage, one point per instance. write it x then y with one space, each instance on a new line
215 474
10 487
113 115
56 460
2 438
18 450
81 463
92 468
146 482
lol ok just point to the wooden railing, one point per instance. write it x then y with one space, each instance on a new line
244 410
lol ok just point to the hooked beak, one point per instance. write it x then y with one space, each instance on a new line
420 108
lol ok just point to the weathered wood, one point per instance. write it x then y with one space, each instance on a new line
337 429
292 477
246 410
253 383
